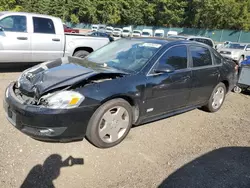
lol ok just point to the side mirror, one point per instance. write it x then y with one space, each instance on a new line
247 49
164 68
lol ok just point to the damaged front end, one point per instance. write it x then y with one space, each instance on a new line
50 86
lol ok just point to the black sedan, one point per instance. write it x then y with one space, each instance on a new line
128 82
102 34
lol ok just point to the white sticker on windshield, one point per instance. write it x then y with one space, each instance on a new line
152 45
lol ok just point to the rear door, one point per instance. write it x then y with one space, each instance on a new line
205 74
46 43
169 91
15 40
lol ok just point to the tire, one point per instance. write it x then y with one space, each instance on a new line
81 53
211 107
103 139
237 89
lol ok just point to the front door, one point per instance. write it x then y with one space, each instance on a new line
15 41
169 91
46 43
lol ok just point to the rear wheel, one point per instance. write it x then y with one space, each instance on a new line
237 89
110 123
81 53
216 99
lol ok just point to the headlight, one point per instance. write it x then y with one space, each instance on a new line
65 100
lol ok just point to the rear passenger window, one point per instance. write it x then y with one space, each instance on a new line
176 57
217 58
43 25
201 56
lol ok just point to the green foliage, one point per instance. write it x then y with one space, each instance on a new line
212 14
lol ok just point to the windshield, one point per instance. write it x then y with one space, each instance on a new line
125 31
138 32
94 27
159 34
125 55
117 30
145 33
109 29
235 46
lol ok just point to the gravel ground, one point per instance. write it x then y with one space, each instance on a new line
194 149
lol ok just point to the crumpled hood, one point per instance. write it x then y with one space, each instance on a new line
57 74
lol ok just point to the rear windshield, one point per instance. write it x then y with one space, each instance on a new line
159 34
136 32
145 33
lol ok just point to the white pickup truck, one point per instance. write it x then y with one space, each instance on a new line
26 37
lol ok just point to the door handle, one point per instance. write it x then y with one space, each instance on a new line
22 38
56 40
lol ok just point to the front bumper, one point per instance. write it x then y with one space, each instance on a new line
44 123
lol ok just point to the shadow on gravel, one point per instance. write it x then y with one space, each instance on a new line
222 168
15 67
43 175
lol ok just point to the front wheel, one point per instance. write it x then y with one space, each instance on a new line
110 123
216 99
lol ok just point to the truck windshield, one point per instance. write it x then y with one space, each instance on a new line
235 46
145 33
125 55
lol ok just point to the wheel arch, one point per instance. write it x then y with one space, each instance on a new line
226 83
131 101
88 49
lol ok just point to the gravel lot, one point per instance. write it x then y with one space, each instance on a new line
194 149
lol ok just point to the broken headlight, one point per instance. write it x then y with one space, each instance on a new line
64 100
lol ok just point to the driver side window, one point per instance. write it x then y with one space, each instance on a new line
176 57
14 23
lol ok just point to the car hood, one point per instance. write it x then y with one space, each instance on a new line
231 50
60 73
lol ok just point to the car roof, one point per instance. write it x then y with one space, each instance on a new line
164 41
26 13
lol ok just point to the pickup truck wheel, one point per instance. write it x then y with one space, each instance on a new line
216 99
81 53
110 123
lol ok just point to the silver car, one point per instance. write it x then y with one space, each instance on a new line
236 51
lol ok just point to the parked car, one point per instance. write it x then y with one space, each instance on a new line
159 33
136 33
117 32
126 32
127 82
26 37
109 30
172 33
204 40
147 33
102 34
236 51
94 27
68 29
